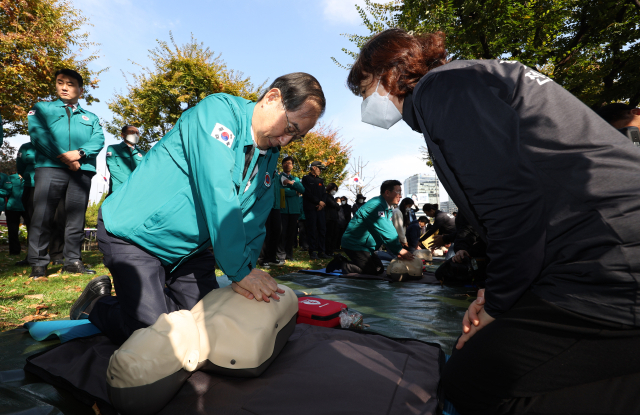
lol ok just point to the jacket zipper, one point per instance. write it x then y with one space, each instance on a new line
69 117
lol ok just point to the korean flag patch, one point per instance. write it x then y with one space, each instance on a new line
109 154
32 112
84 117
267 180
223 134
381 213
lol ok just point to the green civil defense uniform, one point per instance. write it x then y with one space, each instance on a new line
16 187
370 227
5 190
54 130
293 202
122 160
26 164
189 192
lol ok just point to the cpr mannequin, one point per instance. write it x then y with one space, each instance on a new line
405 270
223 333
423 254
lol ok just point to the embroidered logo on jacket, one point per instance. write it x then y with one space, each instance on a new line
267 180
84 117
32 112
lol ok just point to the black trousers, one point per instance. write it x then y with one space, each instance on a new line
13 228
302 235
333 234
316 229
52 185
538 358
145 288
273 227
362 262
56 243
289 231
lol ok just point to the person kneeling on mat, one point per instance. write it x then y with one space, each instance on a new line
370 227
216 168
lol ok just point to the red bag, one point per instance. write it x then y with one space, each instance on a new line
319 312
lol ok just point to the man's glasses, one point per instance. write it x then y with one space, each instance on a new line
292 131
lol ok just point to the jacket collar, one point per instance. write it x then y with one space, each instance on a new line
61 104
409 113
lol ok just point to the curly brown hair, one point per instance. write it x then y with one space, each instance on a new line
400 60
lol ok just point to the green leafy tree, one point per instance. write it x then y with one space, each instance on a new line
180 78
91 215
324 144
7 158
38 37
590 47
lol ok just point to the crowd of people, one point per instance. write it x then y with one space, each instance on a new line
547 192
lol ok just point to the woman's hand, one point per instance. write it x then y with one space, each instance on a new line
474 320
459 256
404 254
259 285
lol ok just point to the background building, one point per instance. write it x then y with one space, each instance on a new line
448 206
422 189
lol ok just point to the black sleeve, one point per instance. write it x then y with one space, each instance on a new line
478 135
465 235
331 202
308 193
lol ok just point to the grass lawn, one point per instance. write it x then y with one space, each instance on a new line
22 299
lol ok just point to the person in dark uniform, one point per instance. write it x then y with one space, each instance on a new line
553 190
303 242
332 208
291 211
360 200
443 223
14 211
67 139
313 203
123 158
345 208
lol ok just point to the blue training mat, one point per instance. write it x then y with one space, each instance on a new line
322 271
64 329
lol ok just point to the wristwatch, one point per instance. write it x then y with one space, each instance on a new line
82 153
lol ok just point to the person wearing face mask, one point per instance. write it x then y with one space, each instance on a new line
401 219
332 209
414 231
123 158
553 190
216 168
68 139
360 199
313 203
345 207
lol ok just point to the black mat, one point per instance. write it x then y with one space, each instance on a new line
427 277
320 371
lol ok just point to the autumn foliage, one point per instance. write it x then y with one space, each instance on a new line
324 144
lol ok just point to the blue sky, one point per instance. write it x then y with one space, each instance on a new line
263 39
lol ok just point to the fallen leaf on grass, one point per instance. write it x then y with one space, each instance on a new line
53 275
69 302
32 318
34 296
52 315
27 282
14 280
41 279
7 308
53 305
15 273
66 287
78 289
11 291
64 277
24 271
39 306
7 324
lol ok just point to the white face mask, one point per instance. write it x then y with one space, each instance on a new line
378 110
333 192
360 200
132 139
344 202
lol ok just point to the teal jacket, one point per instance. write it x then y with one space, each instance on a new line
301 217
188 193
122 160
16 187
5 190
371 227
293 202
53 133
26 164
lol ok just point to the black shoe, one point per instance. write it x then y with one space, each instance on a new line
77 268
22 263
334 265
313 255
95 289
57 262
37 272
322 255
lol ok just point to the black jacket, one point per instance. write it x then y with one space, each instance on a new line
552 188
314 191
355 207
413 234
346 211
331 208
467 238
443 222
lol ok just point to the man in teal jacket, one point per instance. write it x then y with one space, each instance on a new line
214 170
290 213
123 158
67 139
369 228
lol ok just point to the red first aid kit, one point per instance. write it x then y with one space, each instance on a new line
319 312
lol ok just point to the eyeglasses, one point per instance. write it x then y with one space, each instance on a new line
291 131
